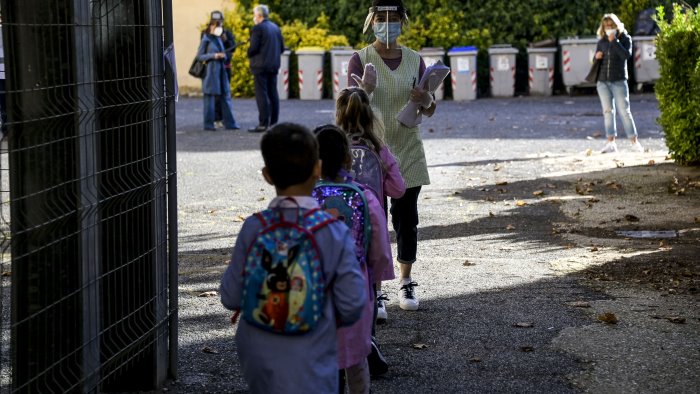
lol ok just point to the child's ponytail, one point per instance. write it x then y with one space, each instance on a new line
354 115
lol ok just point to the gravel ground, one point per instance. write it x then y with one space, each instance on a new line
518 252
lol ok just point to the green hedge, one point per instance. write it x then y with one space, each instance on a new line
438 23
678 89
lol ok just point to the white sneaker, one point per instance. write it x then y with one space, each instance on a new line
382 316
610 147
407 296
637 147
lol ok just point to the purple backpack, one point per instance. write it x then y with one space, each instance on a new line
346 202
367 168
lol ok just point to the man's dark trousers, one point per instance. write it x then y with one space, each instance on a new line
267 98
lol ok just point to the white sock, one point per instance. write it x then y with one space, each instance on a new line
405 281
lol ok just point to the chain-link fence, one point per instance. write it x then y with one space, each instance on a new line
87 191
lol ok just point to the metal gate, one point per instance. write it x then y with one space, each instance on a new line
88 198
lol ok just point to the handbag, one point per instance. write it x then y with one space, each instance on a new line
593 73
198 69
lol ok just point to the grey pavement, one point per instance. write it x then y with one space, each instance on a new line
517 257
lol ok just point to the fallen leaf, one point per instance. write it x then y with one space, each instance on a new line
209 350
579 304
662 243
589 152
239 218
550 186
524 324
211 211
527 349
208 294
497 167
593 199
608 318
6 273
475 360
501 183
631 218
597 134
510 227
676 319
620 164
492 215
520 203
467 263
538 193
457 193
419 346
594 249
651 162
697 219
431 130
261 199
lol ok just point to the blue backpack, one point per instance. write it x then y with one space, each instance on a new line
346 202
283 282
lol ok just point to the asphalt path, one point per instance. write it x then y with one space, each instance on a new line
498 266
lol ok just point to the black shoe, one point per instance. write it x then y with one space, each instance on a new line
235 127
257 129
377 362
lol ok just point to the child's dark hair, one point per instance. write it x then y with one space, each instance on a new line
290 152
354 114
334 150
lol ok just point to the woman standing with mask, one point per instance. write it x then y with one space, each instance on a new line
215 83
613 50
390 72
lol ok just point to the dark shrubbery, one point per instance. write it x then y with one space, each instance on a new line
678 90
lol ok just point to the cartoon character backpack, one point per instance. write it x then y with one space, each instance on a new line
346 202
283 282
367 168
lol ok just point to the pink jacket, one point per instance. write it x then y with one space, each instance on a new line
354 341
394 185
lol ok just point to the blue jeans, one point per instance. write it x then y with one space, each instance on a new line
616 95
226 111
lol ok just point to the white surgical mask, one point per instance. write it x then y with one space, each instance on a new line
610 31
218 31
380 31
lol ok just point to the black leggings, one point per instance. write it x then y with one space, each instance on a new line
404 218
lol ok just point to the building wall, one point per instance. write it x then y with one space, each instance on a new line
188 16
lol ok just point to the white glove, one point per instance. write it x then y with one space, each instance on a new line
369 79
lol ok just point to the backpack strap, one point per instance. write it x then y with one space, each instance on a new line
316 219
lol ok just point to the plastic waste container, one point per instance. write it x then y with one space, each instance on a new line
340 58
283 76
502 70
430 57
310 72
576 59
540 73
646 66
463 65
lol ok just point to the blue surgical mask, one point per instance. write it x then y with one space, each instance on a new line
380 31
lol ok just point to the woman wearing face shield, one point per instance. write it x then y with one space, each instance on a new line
613 50
215 83
389 72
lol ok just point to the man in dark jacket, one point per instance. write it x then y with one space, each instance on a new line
266 47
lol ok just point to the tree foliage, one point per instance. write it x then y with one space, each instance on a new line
678 89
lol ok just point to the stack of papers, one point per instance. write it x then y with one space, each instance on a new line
410 115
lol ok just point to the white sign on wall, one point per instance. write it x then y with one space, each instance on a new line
503 63
344 68
648 52
541 62
462 64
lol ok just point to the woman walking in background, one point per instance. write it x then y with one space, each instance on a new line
613 50
215 83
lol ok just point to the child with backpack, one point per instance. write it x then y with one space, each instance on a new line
293 276
354 114
362 212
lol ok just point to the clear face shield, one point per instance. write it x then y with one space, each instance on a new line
384 9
